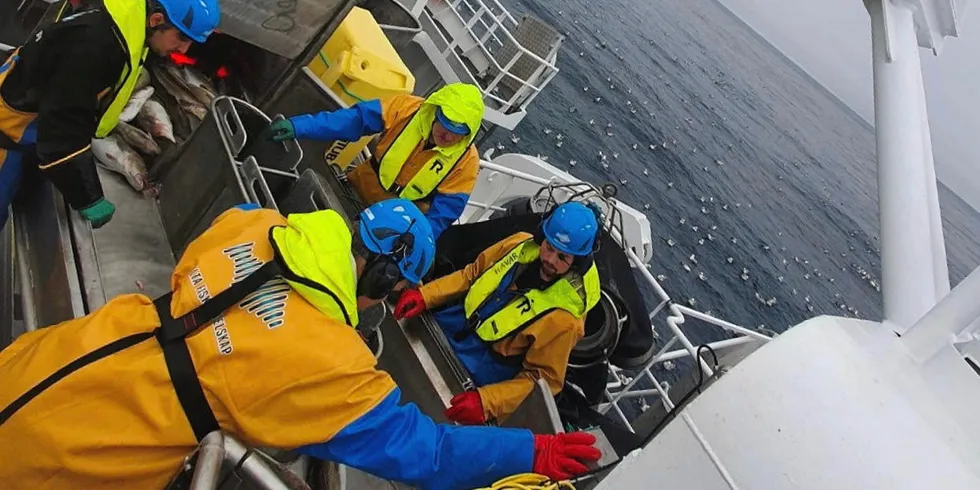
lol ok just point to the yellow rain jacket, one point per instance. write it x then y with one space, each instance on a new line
276 370
545 344
407 125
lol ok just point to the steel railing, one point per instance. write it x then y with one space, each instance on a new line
489 27
629 385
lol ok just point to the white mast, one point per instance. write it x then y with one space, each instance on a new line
913 253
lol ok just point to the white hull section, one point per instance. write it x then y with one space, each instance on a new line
833 403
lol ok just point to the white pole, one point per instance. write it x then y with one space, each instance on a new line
953 315
907 267
940 267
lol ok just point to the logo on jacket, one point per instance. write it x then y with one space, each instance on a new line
218 327
244 260
267 303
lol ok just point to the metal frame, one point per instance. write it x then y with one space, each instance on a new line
483 25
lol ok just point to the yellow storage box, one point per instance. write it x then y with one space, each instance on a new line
358 63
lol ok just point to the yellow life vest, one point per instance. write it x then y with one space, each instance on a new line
432 173
573 292
316 249
130 19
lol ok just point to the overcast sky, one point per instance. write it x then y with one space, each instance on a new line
831 39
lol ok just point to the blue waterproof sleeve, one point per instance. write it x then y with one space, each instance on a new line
400 443
349 124
444 210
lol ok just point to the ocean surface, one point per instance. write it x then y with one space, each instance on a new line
749 149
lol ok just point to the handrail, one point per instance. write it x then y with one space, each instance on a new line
490 23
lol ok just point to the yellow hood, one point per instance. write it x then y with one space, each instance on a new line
315 250
460 102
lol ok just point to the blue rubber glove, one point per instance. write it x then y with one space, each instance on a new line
280 130
98 213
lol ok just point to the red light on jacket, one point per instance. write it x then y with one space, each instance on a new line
221 72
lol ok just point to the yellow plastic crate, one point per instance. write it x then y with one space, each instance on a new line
358 63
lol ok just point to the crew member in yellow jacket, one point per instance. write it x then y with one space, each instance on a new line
255 339
424 151
70 82
514 315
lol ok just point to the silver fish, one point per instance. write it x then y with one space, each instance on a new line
153 119
173 84
137 138
186 80
112 153
135 103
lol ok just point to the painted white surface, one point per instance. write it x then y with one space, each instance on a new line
833 403
909 279
684 464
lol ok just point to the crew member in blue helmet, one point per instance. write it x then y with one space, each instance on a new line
514 315
70 82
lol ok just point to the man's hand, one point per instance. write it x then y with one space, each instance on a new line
279 131
410 304
466 409
98 213
563 456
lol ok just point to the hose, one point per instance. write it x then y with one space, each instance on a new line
529 481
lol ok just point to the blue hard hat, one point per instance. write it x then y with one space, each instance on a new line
397 227
452 126
571 228
197 19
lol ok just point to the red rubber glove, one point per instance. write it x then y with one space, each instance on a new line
561 456
466 409
410 304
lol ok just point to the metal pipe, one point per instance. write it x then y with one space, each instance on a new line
908 277
641 393
207 468
951 316
252 466
723 324
676 318
27 300
721 344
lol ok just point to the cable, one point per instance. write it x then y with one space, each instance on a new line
529 481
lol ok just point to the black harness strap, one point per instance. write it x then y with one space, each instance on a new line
89 358
172 336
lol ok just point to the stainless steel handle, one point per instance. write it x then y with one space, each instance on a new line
230 125
252 176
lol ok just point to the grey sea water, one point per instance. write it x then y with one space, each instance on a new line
758 154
